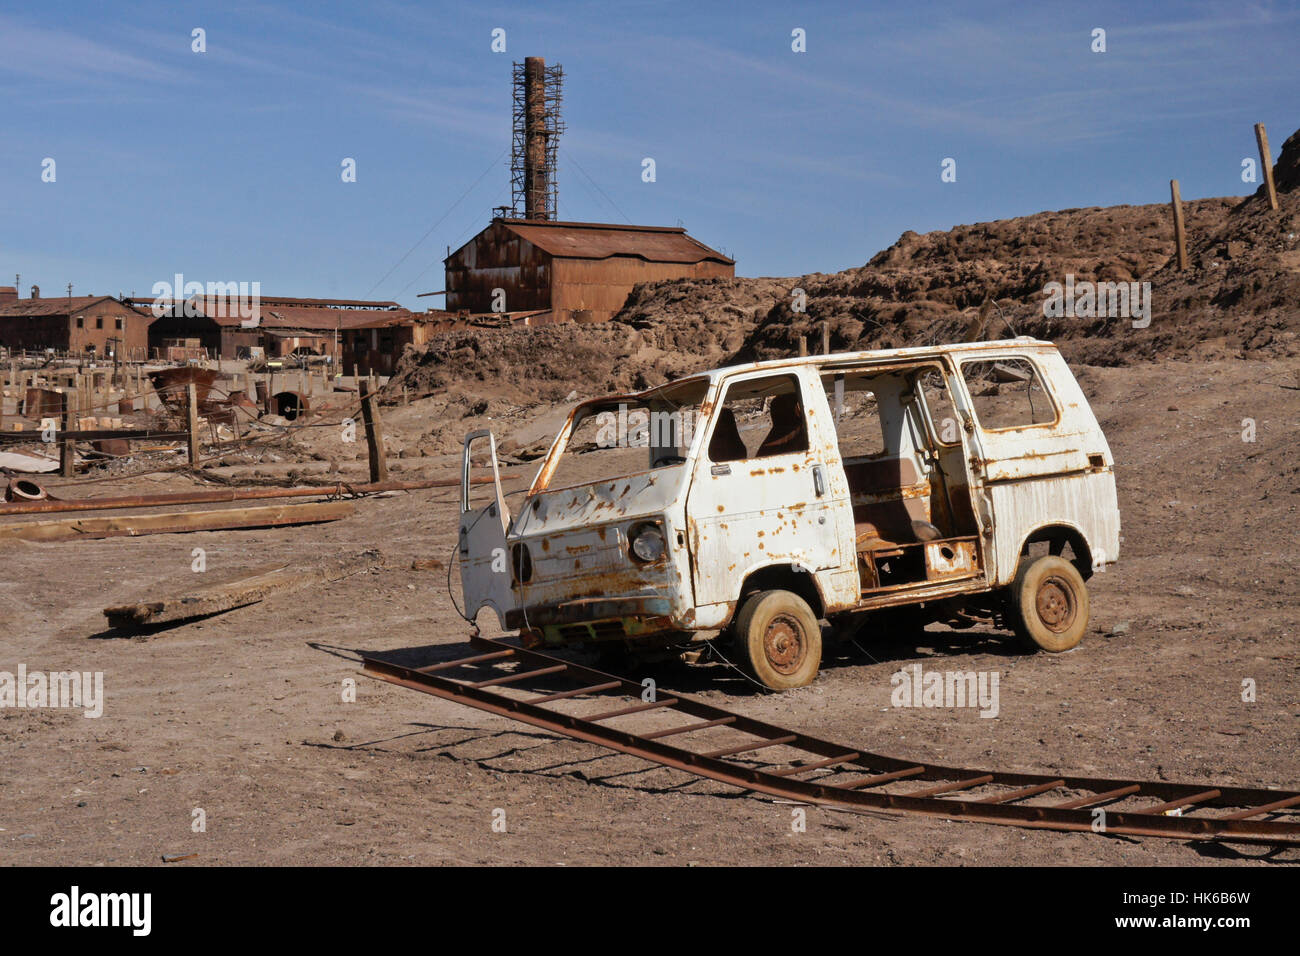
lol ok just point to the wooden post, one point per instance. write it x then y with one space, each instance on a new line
1261 137
826 337
1180 233
374 433
67 454
192 414
803 345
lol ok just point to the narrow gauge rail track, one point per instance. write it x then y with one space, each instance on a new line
725 746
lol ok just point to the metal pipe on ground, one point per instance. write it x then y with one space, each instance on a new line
229 494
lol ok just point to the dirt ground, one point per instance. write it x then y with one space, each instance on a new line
243 715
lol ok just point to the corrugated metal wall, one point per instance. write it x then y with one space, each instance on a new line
498 259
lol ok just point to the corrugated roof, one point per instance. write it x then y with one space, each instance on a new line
595 240
57 306
274 315
346 304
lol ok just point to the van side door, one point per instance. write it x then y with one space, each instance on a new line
768 487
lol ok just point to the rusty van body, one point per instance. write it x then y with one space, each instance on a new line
756 501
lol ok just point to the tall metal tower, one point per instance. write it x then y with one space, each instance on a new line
536 129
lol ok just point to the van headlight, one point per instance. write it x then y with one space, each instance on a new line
647 543
521 563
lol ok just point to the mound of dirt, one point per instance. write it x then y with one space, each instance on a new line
928 288
1286 172
987 280
667 329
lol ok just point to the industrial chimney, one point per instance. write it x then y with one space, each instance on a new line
536 132
536 173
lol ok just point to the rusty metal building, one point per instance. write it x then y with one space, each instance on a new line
278 325
88 324
376 345
574 271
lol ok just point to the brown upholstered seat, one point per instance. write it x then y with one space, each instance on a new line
883 524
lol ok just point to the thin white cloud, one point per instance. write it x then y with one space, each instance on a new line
58 56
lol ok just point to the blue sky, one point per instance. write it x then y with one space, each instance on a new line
225 165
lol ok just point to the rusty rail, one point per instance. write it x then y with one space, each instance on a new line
985 796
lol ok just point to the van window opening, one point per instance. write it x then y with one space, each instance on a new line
1008 393
760 418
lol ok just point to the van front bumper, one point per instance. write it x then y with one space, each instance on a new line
594 619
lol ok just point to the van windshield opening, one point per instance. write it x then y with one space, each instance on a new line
624 435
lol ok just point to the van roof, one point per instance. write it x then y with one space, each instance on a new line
877 355
996 347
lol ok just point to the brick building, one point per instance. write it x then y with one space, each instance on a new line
78 325
278 325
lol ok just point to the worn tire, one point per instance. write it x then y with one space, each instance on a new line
1050 604
780 639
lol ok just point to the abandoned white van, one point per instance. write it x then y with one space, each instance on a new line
753 502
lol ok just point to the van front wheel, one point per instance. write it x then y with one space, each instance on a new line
781 639
1051 606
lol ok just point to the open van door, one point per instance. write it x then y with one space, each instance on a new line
484 564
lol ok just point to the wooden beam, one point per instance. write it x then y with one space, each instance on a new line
192 418
1261 138
212 599
67 450
374 433
269 516
1180 233
92 434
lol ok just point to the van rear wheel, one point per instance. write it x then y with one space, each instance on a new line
1051 604
780 638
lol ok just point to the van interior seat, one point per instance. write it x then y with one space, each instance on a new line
897 520
726 443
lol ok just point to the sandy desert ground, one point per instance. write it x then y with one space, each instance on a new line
242 715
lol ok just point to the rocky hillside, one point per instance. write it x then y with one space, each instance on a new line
1240 296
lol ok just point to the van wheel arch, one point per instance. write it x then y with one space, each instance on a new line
783 577
1057 537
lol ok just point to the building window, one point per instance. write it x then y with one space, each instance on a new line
99 322
117 324
81 322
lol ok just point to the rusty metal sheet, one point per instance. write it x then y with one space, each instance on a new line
589 240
